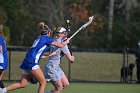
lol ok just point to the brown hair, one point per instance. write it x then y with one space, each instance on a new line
55 31
41 26
58 29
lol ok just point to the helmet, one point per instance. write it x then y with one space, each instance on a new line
61 30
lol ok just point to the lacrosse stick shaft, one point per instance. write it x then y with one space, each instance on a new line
75 33
82 27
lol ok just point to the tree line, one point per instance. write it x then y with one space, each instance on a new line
116 23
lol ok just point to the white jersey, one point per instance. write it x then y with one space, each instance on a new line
52 70
55 60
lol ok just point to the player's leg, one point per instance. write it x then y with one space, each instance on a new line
23 83
64 81
1 74
58 86
38 74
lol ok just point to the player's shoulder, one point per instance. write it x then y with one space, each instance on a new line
45 37
59 40
1 39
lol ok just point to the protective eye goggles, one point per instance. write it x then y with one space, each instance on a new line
62 32
45 31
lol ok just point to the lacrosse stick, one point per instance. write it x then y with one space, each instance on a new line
81 28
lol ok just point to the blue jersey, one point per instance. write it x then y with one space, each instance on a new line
3 54
40 45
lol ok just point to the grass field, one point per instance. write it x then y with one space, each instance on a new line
88 66
85 88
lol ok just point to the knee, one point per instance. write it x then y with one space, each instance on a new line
23 85
59 88
66 85
43 83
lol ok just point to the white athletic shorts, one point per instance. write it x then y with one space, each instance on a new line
24 71
52 73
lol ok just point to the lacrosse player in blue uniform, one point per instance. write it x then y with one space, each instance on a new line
30 65
52 70
3 55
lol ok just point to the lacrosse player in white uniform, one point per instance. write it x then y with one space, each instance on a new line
52 70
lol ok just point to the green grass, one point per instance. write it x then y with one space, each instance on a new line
93 66
97 66
85 88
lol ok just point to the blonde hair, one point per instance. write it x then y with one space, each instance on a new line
58 29
55 30
41 25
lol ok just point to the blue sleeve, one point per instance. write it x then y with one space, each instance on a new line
49 40
1 41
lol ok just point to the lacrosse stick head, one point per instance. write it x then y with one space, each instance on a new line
89 22
91 18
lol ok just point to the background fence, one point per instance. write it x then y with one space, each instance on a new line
98 65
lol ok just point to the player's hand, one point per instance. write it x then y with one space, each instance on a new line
72 58
0 48
52 53
68 40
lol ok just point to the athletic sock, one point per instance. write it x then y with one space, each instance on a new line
1 84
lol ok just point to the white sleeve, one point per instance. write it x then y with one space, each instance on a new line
65 49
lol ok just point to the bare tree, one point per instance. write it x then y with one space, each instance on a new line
128 5
3 16
50 11
110 23
132 3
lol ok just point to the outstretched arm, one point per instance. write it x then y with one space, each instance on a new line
0 48
60 45
45 56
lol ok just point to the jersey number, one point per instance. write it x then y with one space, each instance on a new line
35 43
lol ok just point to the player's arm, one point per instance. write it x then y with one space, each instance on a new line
69 56
66 51
45 56
0 48
60 45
